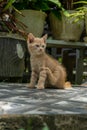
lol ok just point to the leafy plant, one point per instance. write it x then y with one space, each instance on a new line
8 4
7 19
68 4
9 23
47 6
43 5
80 11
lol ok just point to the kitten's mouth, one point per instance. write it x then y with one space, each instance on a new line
40 52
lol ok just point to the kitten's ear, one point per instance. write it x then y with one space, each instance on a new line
45 37
30 38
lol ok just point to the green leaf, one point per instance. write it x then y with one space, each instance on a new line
80 2
9 4
66 13
57 2
42 6
19 12
76 20
57 14
45 127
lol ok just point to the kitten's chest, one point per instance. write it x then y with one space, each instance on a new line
37 64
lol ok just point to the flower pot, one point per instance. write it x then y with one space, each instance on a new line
66 28
34 20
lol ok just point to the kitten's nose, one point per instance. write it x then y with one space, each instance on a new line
40 49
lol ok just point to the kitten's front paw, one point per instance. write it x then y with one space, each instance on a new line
48 70
39 87
42 68
30 85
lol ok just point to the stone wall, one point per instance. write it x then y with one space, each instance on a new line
43 122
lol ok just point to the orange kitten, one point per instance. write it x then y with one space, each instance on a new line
45 69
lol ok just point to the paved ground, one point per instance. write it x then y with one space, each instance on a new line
17 99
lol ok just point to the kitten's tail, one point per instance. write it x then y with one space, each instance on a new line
67 85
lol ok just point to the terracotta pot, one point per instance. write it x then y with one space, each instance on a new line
66 29
34 20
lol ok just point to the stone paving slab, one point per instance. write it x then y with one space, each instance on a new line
18 99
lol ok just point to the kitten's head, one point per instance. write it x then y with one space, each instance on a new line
36 46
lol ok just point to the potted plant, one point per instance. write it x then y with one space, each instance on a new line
32 17
81 14
36 15
65 28
7 18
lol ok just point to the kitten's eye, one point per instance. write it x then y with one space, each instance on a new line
37 45
43 46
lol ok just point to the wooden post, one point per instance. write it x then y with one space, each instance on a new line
79 65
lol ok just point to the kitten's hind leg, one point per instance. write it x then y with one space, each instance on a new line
52 78
58 80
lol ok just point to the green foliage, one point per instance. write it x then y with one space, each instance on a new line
80 2
60 59
80 11
30 128
45 127
47 6
43 5
8 5
7 19
54 6
56 2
